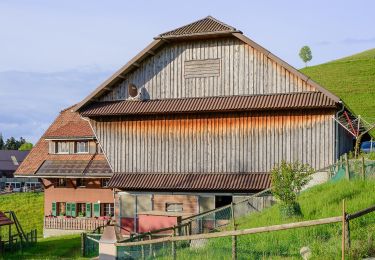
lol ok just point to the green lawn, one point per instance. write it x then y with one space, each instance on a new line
352 79
324 241
64 247
28 207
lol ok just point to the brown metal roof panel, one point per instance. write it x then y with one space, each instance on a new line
190 181
211 104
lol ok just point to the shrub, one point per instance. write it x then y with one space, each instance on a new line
287 181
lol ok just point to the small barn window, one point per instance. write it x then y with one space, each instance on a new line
202 68
173 207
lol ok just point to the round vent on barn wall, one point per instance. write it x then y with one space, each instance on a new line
132 90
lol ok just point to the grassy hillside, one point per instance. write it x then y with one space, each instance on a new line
352 79
65 247
28 208
325 241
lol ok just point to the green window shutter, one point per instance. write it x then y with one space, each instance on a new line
73 207
88 210
68 210
54 213
96 209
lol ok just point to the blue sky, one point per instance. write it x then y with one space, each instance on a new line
53 53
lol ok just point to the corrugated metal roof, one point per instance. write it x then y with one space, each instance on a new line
308 100
190 182
206 25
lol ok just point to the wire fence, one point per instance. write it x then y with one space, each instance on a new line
327 238
353 169
212 220
90 244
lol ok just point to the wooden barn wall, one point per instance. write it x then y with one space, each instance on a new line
247 142
243 71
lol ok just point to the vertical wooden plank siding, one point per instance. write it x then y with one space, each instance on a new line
243 71
246 142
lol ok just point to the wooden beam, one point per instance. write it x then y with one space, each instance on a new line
308 223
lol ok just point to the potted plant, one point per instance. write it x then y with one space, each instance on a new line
61 215
81 214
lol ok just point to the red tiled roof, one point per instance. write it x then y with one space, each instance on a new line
305 100
191 182
68 124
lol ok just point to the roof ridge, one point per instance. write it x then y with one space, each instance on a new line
201 26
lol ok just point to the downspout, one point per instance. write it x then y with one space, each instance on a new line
337 150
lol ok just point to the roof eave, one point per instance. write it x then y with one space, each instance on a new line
118 74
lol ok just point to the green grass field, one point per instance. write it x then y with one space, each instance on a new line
28 208
352 79
65 247
324 241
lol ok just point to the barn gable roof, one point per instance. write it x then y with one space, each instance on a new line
204 28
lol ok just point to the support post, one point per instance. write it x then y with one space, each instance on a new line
343 231
363 168
347 175
174 244
150 237
83 242
234 238
143 252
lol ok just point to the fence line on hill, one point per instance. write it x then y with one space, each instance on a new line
169 246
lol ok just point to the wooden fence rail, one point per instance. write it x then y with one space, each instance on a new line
308 223
344 219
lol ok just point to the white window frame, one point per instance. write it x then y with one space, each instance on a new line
58 146
77 147
109 208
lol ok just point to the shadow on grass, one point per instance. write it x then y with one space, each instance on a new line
67 247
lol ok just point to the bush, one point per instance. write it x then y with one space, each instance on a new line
287 181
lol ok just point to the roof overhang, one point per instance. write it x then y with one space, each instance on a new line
276 102
191 182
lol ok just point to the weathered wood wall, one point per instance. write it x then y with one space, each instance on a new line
243 70
246 142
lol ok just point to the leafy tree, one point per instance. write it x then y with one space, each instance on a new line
13 144
1 142
287 181
305 54
26 147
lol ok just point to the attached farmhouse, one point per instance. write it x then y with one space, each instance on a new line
75 174
200 116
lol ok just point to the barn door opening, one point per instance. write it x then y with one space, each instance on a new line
221 201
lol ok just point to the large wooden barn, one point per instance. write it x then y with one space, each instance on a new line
199 118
